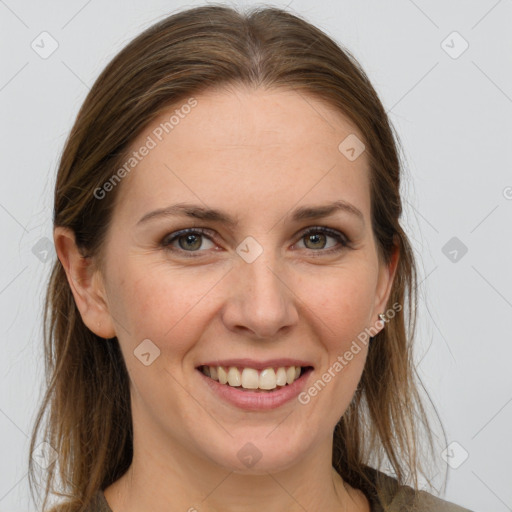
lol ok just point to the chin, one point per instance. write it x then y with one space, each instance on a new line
258 455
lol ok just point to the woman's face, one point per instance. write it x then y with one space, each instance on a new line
253 293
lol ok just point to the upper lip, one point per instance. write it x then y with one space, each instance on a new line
258 365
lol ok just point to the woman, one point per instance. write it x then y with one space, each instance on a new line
231 316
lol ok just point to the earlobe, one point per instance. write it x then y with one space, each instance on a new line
85 282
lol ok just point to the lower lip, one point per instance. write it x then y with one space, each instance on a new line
257 401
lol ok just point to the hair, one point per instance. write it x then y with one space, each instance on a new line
86 410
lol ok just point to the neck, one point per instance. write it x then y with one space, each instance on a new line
175 480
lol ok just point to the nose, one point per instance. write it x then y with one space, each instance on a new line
261 301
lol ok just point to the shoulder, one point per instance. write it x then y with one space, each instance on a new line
408 499
393 497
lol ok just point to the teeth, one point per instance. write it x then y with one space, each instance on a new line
234 377
250 378
281 377
268 379
222 375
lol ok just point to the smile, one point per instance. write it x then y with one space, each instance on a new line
255 385
246 378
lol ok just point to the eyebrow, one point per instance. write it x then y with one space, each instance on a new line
200 212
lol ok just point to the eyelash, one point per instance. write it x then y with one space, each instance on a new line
344 241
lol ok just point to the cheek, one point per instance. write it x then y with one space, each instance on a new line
342 303
164 305
340 311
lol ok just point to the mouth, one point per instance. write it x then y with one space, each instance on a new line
268 379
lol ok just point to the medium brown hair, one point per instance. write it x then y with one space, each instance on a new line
87 399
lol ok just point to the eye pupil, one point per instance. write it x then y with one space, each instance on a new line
190 239
315 238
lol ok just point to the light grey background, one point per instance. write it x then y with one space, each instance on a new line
453 113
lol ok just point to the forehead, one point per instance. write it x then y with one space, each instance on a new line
246 148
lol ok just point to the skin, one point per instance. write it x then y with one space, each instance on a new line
257 154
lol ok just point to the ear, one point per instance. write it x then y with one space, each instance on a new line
86 284
385 284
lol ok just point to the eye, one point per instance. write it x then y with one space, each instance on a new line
189 240
315 238
192 239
